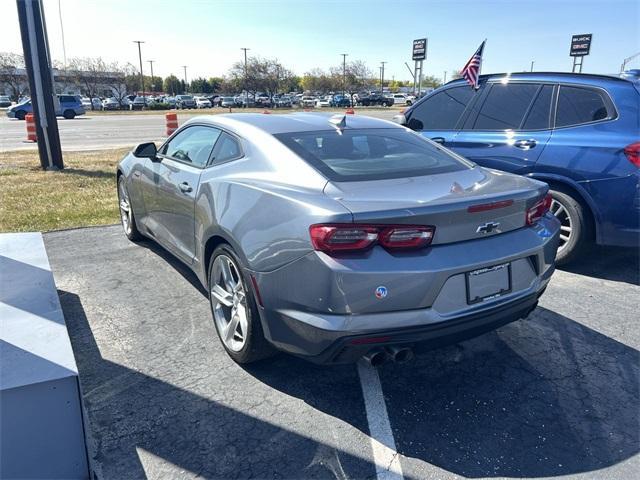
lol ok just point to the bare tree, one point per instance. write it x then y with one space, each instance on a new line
353 77
93 74
118 81
13 75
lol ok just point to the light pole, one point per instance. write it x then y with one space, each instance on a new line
185 78
141 74
445 77
152 85
344 73
532 62
246 93
382 78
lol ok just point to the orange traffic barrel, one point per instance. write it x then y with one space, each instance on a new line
172 122
31 128
350 111
265 111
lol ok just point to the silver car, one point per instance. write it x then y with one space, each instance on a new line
339 237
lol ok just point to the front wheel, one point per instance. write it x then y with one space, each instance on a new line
235 313
126 212
575 226
21 114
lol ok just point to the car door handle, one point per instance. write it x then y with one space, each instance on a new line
439 140
185 187
525 144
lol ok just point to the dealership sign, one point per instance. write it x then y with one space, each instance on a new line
419 49
580 45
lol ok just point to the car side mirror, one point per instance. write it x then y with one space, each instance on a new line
146 150
400 119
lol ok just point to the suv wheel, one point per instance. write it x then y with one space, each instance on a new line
20 114
69 114
234 309
575 225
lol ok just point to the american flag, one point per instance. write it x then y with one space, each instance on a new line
471 71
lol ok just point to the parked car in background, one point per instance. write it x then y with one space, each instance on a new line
185 102
202 102
70 107
86 103
263 100
227 102
340 101
577 132
110 104
5 101
170 101
402 99
139 103
324 101
374 99
214 99
307 101
423 244
283 102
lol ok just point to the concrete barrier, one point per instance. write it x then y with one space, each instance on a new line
41 418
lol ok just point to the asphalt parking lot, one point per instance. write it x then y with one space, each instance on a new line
92 132
554 395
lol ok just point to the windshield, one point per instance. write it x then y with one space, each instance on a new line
371 154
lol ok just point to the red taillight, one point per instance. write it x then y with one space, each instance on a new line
489 206
353 237
633 153
536 212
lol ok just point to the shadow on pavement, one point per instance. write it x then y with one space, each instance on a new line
541 397
609 263
129 411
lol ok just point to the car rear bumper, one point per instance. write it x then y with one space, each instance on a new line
316 306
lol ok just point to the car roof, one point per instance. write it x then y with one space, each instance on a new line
292 122
586 78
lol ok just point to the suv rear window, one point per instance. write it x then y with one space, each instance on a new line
372 154
505 106
577 105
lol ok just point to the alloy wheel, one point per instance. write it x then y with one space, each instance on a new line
125 207
562 214
229 303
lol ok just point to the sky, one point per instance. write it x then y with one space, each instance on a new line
207 35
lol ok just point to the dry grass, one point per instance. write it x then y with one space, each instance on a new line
82 194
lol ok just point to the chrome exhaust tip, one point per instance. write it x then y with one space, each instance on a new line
376 357
400 354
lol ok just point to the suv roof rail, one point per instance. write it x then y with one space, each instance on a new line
487 76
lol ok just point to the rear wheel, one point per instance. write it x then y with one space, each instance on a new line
69 114
575 226
234 309
20 114
126 212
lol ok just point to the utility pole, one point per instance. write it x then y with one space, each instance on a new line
37 59
382 78
445 77
532 62
185 78
141 74
152 84
246 93
344 73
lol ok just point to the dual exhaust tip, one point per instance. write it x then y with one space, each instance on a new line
379 356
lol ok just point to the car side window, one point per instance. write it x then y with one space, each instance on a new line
193 145
442 110
577 105
505 106
538 116
227 148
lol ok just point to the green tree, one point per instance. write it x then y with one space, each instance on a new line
431 81
200 85
172 85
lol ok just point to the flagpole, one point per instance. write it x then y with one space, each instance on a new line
482 58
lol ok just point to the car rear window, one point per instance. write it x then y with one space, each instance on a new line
578 105
371 154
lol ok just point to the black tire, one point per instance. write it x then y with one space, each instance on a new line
256 347
69 114
20 114
132 232
577 219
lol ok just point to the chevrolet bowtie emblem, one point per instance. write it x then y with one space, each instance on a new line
488 227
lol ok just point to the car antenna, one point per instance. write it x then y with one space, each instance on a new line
339 121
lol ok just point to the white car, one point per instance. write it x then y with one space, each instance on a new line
202 102
324 101
110 104
403 99
307 101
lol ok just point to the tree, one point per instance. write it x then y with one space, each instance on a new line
200 85
431 81
172 85
317 80
118 82
93 74
13 75
216 84
261 75
356 74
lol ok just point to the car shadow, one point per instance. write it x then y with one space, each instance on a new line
541 397
88 173
608 263
129 415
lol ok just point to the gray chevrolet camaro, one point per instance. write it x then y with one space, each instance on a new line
339 237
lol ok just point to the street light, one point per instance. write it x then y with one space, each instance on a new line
344 72
152 85
382 78
141 74
185 78
246 93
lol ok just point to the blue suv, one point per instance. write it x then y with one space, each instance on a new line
70 106
577 132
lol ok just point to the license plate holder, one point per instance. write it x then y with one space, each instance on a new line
488 282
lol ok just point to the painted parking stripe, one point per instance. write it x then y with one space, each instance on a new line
385 456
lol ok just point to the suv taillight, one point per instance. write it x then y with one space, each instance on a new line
536 212
633 153
347 237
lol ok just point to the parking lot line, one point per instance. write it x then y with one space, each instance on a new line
383 444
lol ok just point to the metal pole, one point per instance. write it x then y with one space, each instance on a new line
152 85
141 73
37 63
344 73
382 79
532 62
246 93
420 79
185 78
445 77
